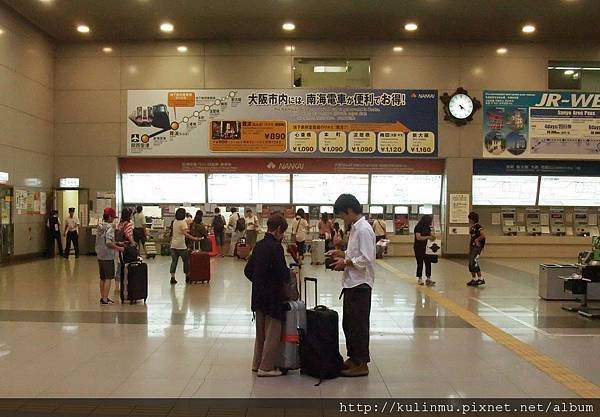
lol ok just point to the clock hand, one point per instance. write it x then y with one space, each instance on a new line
462 108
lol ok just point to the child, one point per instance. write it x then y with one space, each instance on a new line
105 247
476 246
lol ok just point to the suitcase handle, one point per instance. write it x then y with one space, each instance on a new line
306 279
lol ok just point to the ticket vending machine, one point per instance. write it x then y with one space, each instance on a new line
581 222
532 222
509 222
557 221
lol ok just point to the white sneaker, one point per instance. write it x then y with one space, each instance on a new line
420 281
274 372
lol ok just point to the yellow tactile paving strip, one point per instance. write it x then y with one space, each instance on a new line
552 368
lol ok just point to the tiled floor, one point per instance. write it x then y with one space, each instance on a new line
196 341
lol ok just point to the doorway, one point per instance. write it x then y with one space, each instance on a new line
77 198
6 225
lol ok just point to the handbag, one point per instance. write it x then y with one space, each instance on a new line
433 250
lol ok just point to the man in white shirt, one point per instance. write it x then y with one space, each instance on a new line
357 262
72 233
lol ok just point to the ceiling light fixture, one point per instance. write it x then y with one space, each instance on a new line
289 26
411 27
107 49
182 49
398 49
501 51
83 29
591 68
167 27
528 29
290 48
569 72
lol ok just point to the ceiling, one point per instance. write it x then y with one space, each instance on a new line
493 20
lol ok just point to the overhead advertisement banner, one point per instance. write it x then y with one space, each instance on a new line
289 122
541 124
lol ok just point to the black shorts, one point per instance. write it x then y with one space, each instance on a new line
139 235
107 269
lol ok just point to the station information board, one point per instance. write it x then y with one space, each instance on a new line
325 189
406 189
504 190
157 188
570 191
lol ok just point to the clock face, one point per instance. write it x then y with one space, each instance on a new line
460 106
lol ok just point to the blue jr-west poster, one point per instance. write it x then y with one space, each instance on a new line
288 122
541 124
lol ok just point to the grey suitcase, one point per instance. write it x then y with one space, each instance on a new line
294 324
317 252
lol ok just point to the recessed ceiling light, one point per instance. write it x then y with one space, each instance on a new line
1 31
167 27
569 72
83 29
411 27
182 49
290 48
46 1
398 49
528 29
501 51
107 49
288 26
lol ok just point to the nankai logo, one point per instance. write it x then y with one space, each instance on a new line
576 100
286 166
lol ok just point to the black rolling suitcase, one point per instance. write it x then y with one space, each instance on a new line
134 282
320 343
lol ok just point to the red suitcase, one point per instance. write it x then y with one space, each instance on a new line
199 267
242 249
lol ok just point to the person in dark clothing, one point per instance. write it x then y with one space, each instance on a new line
476 246
53 225
422 235
268 272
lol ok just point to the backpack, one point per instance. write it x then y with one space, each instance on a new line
218 223
240 225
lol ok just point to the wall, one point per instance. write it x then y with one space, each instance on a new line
91 88
26 118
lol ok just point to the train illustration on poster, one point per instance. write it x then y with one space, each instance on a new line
541 124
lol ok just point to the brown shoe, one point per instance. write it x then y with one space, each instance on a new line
348 363
356 371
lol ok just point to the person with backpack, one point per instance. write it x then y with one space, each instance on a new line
139 227
268 272
198 229
358 264
237 226
476 245
218 227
